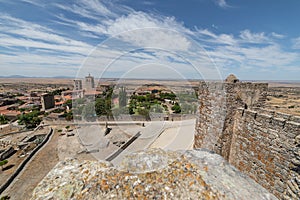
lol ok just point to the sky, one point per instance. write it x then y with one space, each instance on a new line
172 39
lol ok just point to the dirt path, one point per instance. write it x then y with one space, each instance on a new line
38 167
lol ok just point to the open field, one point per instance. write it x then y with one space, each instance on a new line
284 97
36 80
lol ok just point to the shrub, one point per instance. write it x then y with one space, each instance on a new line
2 163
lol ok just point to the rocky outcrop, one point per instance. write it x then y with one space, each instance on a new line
151 174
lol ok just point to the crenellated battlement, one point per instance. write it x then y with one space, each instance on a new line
265 145
271 119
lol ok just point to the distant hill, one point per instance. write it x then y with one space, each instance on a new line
20 76
14 76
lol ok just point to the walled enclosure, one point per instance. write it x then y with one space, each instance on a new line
261 143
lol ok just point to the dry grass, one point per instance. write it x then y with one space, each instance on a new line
284 99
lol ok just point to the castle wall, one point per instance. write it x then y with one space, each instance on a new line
211 115
265 145
261 143
217 104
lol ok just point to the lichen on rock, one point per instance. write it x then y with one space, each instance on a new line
150 174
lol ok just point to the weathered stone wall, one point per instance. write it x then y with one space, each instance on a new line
266 146
211 116
217 105
262 143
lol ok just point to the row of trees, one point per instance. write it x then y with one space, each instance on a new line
58 91
141 104
144 104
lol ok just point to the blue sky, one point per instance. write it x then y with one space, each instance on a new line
256 40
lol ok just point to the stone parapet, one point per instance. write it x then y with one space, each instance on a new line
265 146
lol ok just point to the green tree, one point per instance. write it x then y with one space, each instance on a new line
89 112
100 106
122 97
144 112
20 102
57 91
131 111
176 108
105 108
141 98
165 107
68 115
3 119
68 103
30 120
170 96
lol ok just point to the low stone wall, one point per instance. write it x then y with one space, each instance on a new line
7 153
266 146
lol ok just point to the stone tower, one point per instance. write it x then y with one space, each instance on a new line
89 82
47 101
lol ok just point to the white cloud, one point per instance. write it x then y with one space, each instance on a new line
160 32
143 30
251 57
138 20
206 35
92 9
7 41
247 51
249 37
296 43
276 35
206 32
97 7
34 2
221 3
32 35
